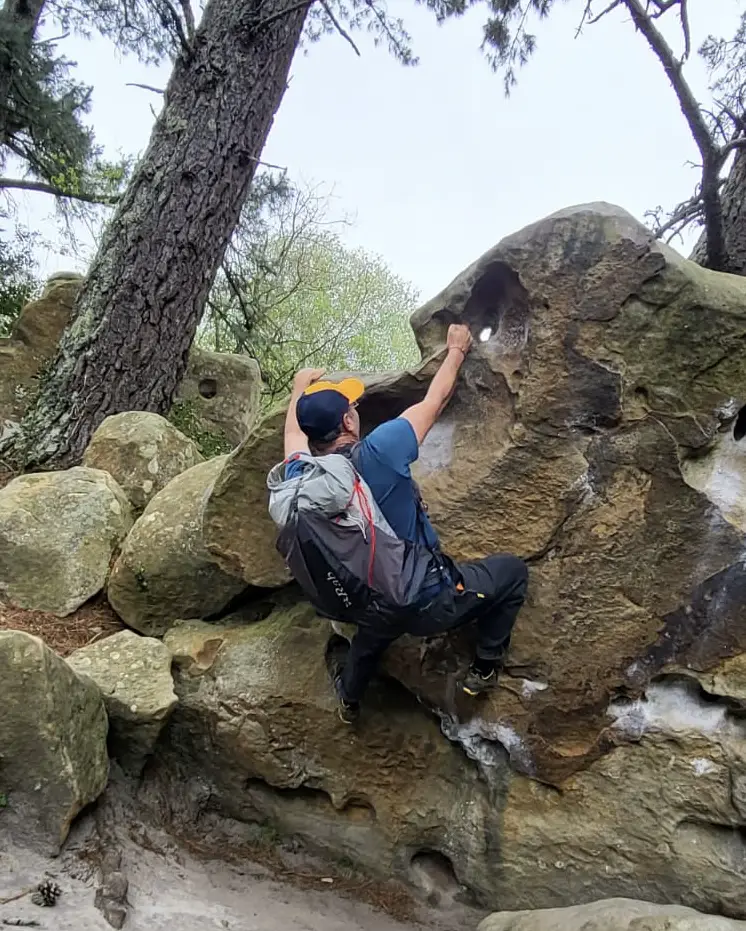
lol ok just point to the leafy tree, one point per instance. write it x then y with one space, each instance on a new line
18 281
139 310
290 294
719 130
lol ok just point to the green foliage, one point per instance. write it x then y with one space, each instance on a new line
183 415
18 282
292 294
3 800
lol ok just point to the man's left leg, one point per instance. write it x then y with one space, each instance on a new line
351 681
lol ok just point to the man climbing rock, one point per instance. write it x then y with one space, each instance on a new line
322 419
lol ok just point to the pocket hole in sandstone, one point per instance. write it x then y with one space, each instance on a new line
739 427
433 873
208 388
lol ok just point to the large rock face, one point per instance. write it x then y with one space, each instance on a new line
589 434
611 915
142 451
58 533
164 571
53 758
256 736
134 676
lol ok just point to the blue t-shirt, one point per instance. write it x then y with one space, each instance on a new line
384 459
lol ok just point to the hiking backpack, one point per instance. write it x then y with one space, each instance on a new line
340 548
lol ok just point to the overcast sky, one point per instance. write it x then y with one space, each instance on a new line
432 163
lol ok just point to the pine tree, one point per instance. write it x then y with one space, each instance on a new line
137 315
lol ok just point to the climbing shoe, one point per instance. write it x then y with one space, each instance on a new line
348 711
475 682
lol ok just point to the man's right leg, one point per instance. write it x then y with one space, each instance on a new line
365 651
497 585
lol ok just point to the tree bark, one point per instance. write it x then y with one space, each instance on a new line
127 345
733 202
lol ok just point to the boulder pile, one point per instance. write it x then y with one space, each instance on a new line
599 432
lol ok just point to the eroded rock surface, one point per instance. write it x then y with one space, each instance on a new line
142 451
164 571
134 676
53 759
58 533
611 915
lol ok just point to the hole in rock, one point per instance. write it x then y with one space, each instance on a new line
433 873
208 388
739 427
497 310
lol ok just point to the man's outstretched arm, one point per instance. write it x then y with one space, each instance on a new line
296 440
422 416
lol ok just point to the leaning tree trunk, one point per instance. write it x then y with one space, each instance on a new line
135 319
733 199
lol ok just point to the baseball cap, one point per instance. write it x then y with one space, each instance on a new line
323 404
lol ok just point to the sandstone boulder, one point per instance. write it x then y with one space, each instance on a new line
219 396
164 571
58 533
581 437
134 676
32 342
256 737
611 915
142 452
53 759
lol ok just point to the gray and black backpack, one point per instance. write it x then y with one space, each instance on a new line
339 546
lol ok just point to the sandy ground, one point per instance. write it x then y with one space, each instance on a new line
170 889
188 896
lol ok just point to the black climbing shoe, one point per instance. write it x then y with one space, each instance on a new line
348 711
475 683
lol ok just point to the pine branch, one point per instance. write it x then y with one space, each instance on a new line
338 26
146 87
42 188
178 25
264 23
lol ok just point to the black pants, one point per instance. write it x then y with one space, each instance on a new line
493 591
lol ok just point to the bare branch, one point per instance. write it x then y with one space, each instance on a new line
732 146
186 9
686 29
264 23
42 188
712 158
178 25
146 87
338 26
612 6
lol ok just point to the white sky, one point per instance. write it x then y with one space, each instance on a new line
433 164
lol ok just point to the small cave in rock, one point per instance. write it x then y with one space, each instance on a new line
208 388
432 872
497 310
739 427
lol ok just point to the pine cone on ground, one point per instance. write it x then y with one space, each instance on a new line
46 894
